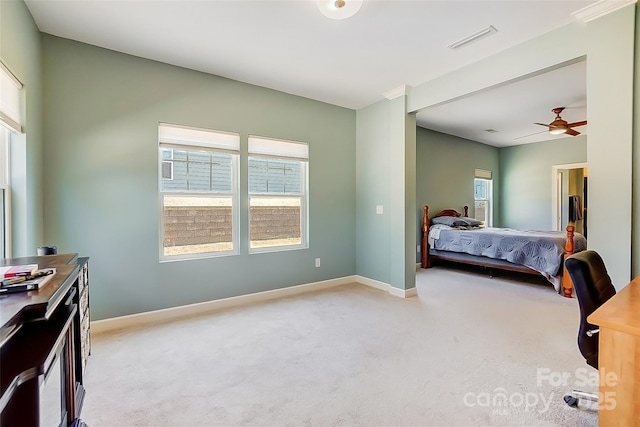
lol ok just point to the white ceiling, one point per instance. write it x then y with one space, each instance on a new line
291 47
513 109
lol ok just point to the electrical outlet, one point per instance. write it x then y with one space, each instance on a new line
317 262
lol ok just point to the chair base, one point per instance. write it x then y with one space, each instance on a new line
581 400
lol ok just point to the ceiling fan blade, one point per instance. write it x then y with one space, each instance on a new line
572 132
541 124
576 124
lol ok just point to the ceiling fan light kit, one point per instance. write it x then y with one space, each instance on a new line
339 9
557 131
560 126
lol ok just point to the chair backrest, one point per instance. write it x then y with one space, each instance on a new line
593 288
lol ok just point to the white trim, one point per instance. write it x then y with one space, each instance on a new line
373 283
555 202
598 9
5 183
399 91
396 292
172 313
403 293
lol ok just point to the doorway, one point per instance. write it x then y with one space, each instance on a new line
570 191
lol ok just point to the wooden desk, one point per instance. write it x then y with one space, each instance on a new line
44 342
619 354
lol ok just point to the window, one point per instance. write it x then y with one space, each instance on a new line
278 194
11 97
483 197
167 164
198 172
5 224
10 100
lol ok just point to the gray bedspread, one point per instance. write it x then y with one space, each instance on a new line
540 250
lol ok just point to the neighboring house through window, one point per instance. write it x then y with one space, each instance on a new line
278 196
198 171
483 197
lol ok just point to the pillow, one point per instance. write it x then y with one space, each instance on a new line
451 221
471 221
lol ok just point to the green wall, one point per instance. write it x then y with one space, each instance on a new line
610 73
446 168
373 189
526 171
20 51
101 191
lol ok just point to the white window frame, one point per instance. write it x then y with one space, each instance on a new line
5 188
190 138
272 148
487 176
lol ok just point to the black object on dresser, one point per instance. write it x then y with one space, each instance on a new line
44 345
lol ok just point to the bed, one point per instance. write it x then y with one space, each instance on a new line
453 236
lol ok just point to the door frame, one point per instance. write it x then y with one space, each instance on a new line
555 200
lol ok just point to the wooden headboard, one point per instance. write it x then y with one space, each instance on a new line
450 212
425 262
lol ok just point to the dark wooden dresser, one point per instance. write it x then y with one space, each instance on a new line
44 345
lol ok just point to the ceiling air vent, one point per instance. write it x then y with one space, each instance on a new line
473 37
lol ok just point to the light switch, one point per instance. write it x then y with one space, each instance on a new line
379 209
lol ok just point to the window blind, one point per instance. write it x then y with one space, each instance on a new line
181 135
483 173
10 88
278 148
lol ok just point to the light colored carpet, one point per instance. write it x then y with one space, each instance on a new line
350 356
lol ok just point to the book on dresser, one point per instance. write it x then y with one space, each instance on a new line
18 270
22 283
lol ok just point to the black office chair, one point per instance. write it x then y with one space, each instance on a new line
593 288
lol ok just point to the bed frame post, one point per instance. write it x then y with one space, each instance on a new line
567 284
466 211
424 250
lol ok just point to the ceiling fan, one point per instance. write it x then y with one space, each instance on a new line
559 126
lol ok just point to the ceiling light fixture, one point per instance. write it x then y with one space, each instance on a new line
557 130
473 37
339 9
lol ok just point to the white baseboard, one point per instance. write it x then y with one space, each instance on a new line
403 293
373 283
171 313
166 314
396 292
